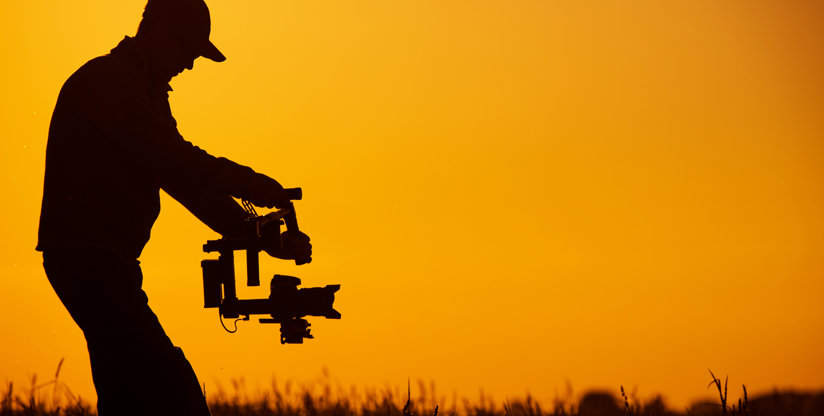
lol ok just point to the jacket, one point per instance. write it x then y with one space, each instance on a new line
112 145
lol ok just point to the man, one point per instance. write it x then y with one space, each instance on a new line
113 144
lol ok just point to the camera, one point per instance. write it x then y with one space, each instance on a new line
286 305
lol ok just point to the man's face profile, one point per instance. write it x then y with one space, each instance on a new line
180 55
174 34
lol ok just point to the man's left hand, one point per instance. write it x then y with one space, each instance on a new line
294 246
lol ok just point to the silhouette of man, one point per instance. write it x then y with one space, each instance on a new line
113 144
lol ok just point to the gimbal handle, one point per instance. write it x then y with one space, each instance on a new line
294 194
290 218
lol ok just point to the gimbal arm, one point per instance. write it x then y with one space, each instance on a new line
287 304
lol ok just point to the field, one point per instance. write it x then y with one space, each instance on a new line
53 398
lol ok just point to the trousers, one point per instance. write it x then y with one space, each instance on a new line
135 367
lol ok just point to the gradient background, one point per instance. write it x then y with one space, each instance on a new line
515 195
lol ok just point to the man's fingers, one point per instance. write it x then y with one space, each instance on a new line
295 237
303 251
268 192
295 246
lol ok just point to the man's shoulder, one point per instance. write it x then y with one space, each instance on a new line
104 70
100 81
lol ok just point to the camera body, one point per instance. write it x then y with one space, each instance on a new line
286 305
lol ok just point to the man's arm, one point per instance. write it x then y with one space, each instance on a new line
223 215
219 212
121 110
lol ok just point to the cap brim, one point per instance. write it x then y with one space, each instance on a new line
210 51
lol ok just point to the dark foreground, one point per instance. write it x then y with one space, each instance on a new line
55 399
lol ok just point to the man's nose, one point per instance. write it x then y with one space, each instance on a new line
190 65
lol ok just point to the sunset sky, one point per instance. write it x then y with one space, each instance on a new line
514 195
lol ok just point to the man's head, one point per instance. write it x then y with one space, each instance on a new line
174 33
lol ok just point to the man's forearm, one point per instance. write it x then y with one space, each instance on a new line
220 212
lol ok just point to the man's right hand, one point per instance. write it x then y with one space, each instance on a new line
267 192
294 246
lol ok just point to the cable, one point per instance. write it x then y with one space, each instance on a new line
245 318
248 207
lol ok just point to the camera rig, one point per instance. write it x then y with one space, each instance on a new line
286 305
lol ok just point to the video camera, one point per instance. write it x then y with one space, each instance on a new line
286 304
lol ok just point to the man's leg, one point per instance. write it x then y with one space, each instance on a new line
135 367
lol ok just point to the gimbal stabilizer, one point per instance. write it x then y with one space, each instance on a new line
287 305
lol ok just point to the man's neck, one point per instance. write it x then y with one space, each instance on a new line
150 60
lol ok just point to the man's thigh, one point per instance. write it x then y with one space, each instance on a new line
104 295
133 361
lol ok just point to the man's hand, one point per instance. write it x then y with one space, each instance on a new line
294 246
267 192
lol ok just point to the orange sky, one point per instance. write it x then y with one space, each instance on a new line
512 194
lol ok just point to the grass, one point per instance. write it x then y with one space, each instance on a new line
54 398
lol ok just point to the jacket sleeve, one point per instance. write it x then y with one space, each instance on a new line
220 212
120 107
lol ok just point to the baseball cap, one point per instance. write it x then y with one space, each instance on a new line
190 20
